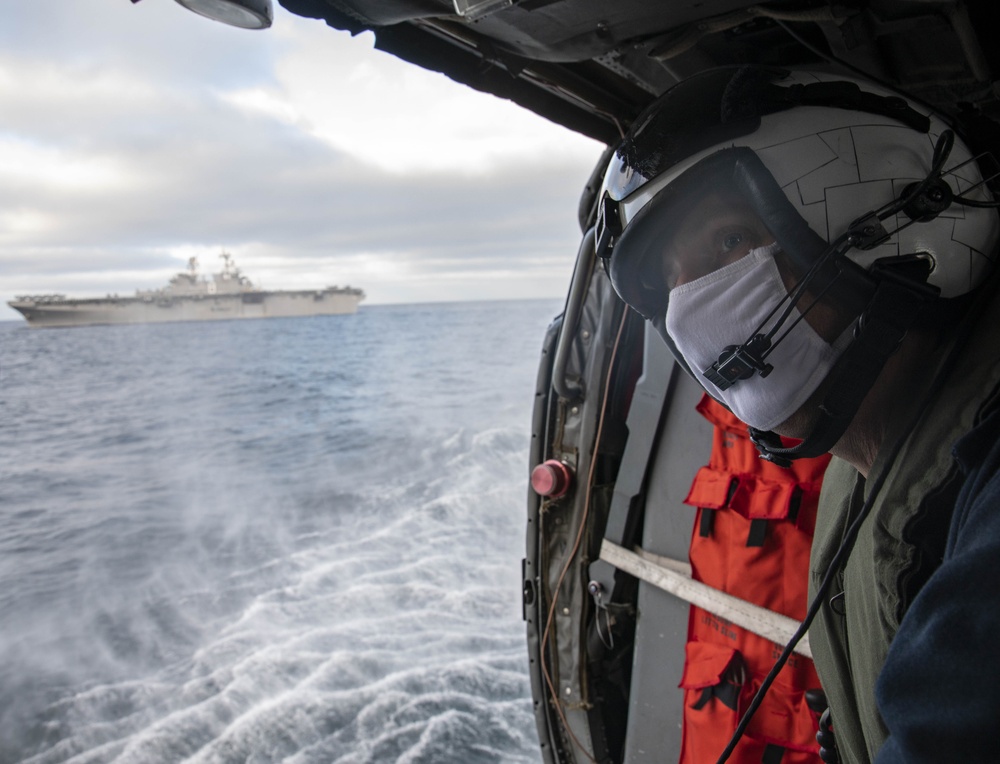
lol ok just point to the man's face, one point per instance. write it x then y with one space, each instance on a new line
718 228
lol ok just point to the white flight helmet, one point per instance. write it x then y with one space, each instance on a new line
857 185
812 153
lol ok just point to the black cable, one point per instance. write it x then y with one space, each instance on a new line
797 293
974 203
963 333
839 246
942 150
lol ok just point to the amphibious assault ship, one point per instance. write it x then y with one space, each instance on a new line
189 297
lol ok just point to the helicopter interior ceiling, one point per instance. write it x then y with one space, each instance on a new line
592 65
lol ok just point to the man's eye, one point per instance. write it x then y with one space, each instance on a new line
732 241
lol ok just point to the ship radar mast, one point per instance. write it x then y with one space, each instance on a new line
229 269
231 272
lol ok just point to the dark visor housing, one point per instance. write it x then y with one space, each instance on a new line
688 141
635 267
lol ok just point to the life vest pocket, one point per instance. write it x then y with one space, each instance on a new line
784 720
717 691
714 684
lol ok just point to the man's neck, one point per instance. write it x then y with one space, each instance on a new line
890 403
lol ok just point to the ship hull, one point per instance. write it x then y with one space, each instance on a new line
136 310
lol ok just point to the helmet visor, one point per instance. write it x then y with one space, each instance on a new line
708 216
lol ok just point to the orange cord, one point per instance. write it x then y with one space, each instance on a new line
576 546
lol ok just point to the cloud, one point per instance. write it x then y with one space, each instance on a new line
133 137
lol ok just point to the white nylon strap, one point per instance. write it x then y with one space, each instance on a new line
674 576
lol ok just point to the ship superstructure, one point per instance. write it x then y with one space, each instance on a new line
228 294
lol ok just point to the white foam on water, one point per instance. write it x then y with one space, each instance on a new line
366 611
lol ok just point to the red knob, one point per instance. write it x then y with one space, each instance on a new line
551 478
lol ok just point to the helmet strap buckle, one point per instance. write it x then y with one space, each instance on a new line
740 362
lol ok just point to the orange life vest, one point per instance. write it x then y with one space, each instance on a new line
751 539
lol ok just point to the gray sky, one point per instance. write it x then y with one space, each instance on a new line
135 136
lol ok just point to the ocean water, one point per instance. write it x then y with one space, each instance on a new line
292 540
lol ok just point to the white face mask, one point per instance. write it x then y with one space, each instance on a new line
725 308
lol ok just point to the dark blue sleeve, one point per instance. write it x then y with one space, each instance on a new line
939 691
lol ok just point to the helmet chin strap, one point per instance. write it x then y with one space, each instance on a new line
899 297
